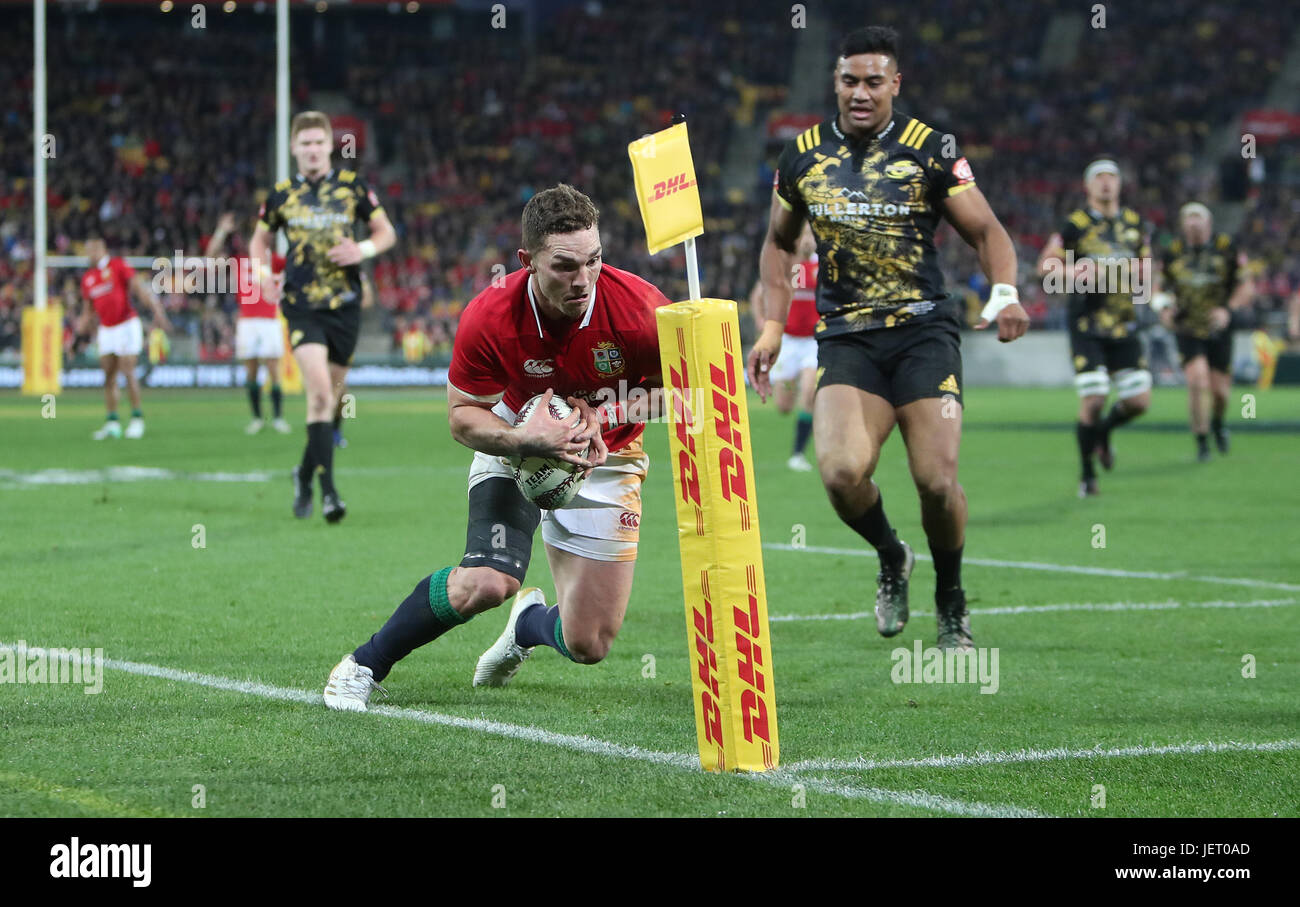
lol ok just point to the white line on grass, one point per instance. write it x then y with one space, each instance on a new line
1078 606
1060 568
579 743
962 760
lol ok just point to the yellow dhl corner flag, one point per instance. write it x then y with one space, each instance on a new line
727 634
42 349
290 375
666 189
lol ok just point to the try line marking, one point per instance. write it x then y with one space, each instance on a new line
1169 605
1049 755
781 778
1061 568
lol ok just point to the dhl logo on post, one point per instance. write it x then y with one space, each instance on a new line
42 349
717 530
666 189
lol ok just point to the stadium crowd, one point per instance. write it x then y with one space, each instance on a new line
466 121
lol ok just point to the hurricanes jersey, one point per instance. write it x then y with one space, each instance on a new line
315 216
1201 279
1112 243
874 205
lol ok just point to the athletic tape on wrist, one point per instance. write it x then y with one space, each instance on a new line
1001 296
367 247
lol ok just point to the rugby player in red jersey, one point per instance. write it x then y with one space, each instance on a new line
794 375
106 289
565 325
258 338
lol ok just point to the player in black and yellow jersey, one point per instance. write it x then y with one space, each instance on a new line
318 210
1102 258
874 184
1204 280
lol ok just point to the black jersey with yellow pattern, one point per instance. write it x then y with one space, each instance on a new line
1201 278
1114 243
315 216
874 204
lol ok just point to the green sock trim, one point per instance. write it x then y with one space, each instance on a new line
559 641
438 601
805 416
137 414
112 417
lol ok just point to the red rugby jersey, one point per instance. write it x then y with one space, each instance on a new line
506 352
108 287
251 303
803 316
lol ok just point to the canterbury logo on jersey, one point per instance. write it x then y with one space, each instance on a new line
539 366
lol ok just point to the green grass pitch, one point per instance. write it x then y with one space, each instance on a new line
1143 698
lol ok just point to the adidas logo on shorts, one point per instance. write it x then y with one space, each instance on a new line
949 385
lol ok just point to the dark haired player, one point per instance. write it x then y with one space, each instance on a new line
874 183
318 210
106 289
1206 277
568 325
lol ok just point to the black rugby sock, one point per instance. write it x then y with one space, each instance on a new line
947 569
802 431
320 444
874 526
1087 438
255 398
421 618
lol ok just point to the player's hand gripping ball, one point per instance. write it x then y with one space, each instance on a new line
548 482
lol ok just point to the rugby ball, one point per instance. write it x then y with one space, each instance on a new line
548 482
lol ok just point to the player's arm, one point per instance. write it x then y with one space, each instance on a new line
147 296
1053 251
969 213
775 263
1163 302
259 251
225 226
1243 294
382 238
85 317
1293 317
473 424
756 303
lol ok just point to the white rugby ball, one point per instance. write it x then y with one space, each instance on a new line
548 482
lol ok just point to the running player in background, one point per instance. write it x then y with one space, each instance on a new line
106 289
874 183
1206 277
568 325
794 376
318 210
258 338
1103 322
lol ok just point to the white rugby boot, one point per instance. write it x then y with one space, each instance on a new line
350 686
500 663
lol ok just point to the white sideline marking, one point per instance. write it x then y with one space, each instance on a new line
1061 568
580 743
12 479
962 760
1080 606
